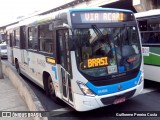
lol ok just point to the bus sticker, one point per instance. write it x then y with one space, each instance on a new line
112 69
145 51
55 71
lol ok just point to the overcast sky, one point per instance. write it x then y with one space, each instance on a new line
11 9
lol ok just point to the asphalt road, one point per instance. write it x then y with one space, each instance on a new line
147 102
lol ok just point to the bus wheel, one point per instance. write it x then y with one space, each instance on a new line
17 67
51 90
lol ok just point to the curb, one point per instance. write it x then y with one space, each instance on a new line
25 91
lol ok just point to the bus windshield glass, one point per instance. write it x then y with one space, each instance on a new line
107 51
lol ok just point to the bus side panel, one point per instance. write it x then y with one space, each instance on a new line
34 67
154 56
17 54
152 63
39 64
149 74
10 54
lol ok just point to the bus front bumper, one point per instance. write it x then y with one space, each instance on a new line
86 103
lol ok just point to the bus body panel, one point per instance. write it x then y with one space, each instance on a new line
77 76
72 84
17 54
90 103
10 54
149 27
149 74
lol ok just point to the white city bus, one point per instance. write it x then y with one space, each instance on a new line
149 25
89 57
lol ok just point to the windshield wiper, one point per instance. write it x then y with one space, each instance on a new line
123 39
97 31
100 36
121 42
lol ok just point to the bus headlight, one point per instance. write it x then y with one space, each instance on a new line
85 89
140 81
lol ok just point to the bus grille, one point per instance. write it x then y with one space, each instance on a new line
110 100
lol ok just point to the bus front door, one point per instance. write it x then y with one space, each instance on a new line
65 63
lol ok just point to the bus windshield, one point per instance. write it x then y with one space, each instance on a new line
108 50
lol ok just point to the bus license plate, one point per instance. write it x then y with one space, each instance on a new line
120 100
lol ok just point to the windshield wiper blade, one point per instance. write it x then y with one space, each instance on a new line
123 39
97 31
100 36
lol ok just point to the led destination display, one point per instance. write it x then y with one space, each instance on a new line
101 17
95 62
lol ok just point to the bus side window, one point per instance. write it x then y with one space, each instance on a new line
46 38
8 38
32 38
17 37
143 25
154 38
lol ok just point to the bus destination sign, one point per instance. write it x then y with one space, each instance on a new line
95 62
100 17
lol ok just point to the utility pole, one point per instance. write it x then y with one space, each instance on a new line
1 74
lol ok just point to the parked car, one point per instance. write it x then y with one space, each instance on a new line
3 50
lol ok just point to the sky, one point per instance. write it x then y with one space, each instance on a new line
11 9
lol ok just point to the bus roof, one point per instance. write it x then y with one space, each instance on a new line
12 26
149 13
21 23
98 8
50 16
42 18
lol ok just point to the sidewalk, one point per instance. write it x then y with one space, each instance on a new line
10 99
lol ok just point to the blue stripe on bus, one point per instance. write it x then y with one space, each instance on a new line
103 90
55 71
91 9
